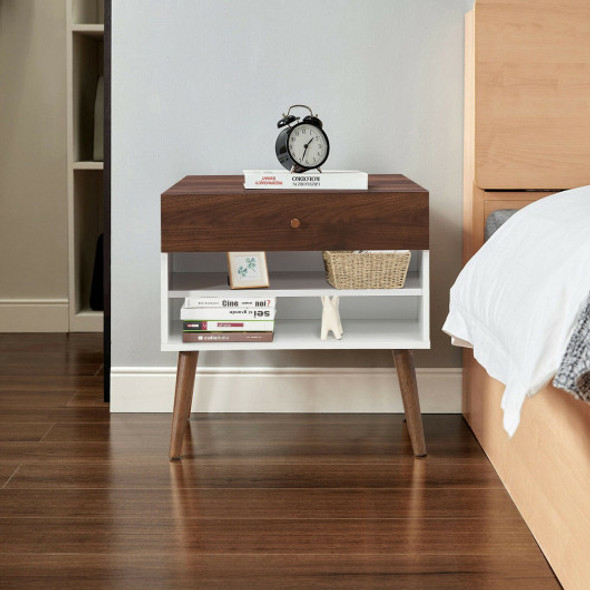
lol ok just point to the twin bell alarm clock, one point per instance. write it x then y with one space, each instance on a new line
302 144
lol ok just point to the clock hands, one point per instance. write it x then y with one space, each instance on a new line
306 146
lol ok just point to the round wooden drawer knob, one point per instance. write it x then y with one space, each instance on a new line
295 223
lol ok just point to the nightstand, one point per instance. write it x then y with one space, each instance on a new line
206 214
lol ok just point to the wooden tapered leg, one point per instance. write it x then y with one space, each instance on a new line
406 373
183 398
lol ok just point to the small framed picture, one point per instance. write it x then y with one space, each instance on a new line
247 270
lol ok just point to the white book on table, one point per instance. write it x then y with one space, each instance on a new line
325 180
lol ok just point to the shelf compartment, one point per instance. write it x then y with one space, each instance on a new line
87 12
305 335
283 284
387 319
88 224
87 67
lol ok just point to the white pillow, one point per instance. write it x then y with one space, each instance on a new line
517 299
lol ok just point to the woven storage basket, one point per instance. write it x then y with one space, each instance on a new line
366 270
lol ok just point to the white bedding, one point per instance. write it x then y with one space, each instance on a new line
516 301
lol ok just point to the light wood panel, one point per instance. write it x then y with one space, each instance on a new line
528 118
495 205
545 466
532 82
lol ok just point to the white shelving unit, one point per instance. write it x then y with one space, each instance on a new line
371 318
85 50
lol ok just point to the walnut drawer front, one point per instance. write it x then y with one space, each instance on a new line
238 220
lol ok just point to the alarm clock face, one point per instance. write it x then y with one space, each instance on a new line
308 145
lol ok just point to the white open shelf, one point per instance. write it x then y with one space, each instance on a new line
371 318
305 335
282 284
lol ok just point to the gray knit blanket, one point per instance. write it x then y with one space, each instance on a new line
496 219
573 374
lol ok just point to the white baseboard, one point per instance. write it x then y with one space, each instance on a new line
151 389
33 315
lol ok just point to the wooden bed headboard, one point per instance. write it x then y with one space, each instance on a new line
531 81
527 135
527 113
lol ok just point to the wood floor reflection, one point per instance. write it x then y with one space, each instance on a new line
88 500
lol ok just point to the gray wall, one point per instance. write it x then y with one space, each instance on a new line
198 86
33 200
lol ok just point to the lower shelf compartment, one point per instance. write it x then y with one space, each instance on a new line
305 335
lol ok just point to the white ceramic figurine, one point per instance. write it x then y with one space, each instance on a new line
331 317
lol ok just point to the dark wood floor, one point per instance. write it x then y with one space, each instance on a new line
271 502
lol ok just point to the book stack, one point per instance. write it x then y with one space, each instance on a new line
228 319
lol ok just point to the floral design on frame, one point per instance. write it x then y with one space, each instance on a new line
247 270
